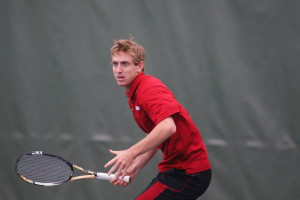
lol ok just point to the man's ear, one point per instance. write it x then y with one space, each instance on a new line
141 66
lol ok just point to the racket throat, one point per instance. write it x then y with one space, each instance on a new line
85 170
91 173
82 177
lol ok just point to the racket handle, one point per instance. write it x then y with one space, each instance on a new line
105 176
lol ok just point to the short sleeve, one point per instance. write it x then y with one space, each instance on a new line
159 103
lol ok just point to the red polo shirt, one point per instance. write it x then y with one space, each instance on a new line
151 102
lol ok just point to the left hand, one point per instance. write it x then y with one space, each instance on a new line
121 162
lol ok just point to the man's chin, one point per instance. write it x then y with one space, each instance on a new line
122 84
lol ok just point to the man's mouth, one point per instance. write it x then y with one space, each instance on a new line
120 78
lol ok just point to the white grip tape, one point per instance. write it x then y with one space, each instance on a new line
105 176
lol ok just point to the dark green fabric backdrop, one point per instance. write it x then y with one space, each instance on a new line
233 64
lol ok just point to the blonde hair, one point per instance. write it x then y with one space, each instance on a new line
129 46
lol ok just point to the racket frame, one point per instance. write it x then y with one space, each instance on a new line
91 174
46 154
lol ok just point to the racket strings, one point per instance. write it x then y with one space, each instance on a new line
44 169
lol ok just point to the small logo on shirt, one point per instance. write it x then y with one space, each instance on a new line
137 108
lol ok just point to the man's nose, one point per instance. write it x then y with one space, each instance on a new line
119 68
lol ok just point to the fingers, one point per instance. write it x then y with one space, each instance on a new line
113 152
123 172
117 163
120 172
120 163
119 183
112 161
114 167
109 163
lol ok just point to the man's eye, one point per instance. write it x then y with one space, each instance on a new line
124 64
115 64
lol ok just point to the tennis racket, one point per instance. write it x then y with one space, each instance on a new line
41 168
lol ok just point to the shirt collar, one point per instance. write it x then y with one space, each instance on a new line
134 84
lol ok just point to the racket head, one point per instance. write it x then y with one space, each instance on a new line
42 168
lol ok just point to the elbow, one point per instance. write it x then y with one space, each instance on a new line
172 128
168 126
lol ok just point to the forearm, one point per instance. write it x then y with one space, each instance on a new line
158 135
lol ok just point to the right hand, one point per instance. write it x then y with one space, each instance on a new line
122 183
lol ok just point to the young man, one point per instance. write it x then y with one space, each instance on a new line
185 171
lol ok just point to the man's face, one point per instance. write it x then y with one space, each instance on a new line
124 69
